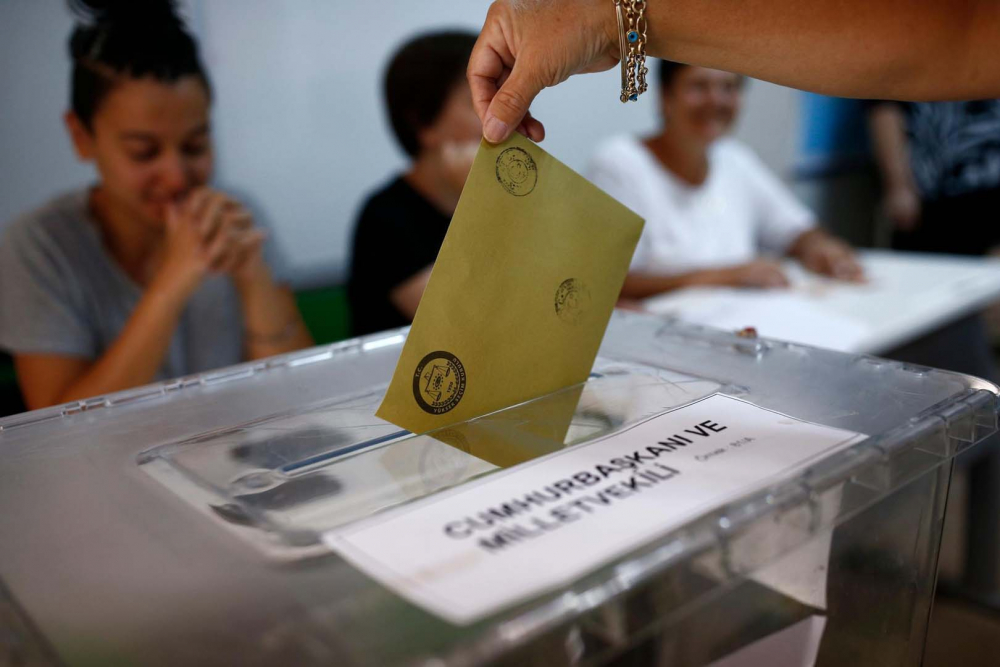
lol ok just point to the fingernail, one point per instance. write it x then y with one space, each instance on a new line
495 130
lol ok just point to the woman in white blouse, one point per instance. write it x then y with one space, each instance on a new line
711 206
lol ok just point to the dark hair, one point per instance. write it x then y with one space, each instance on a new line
127 38
667 72
419 79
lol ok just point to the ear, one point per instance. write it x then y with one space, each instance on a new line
82 138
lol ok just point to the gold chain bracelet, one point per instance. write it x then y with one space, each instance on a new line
632 43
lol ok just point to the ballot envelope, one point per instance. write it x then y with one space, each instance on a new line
700 494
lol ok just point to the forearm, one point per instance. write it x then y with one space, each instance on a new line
138 352
827 255
406 296
644 285
887 126
272 323
801 244
891 49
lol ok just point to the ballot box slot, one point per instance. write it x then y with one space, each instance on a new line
320 466
345 451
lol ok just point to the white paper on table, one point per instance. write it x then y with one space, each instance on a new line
784 315
471 551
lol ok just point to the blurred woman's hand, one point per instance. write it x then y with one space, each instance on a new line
184 264
209 232
230 242
827 255
528 45
761 273
633 305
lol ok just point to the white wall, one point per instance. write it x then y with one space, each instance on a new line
36 158
298 120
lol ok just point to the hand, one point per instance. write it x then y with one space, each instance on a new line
527 46
760 273
230 243
821 253
184 264
902 207
632 305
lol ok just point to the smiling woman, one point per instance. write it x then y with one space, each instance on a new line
711 206
151 273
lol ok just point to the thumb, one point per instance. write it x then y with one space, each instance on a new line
510 105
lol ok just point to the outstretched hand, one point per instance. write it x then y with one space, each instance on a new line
528 45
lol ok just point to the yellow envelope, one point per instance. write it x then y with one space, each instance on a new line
522 433
520 294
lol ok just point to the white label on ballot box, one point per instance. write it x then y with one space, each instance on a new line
471 551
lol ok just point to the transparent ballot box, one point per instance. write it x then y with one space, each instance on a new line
223 518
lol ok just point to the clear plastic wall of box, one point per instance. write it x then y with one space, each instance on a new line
113 564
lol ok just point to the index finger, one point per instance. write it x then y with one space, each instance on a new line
210 219
491 58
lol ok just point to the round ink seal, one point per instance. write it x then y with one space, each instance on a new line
517 172
439 382
572 300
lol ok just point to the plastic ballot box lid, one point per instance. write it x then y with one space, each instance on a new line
262 515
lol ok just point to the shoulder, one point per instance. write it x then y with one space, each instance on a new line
57 227
618 152
732 151
389 197
47 261
618 165
738 163
381 208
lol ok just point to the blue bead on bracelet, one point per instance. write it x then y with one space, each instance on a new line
633 36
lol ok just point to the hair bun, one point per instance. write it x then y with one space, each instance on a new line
106 13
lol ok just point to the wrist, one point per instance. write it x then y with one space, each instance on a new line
171 289
273 336
606 25
253 278
721 277
805 243
169 295
655 39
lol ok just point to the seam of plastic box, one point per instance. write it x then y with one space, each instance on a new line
235 373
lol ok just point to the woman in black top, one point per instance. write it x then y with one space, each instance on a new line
402 225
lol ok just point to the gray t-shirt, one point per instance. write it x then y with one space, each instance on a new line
61 292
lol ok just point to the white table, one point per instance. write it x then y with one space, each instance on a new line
907 295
